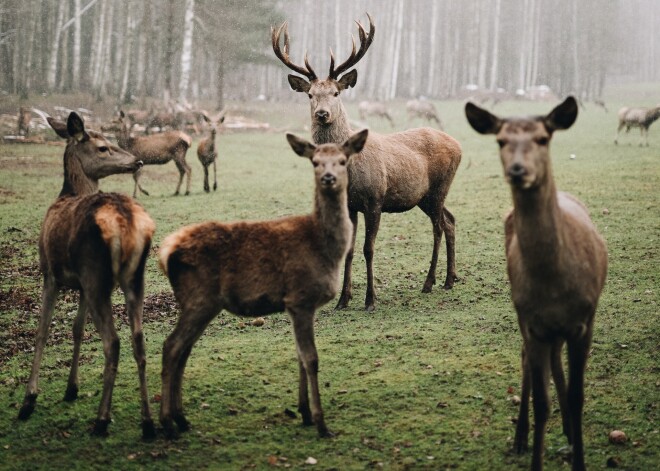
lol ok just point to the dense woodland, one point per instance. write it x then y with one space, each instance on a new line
127 50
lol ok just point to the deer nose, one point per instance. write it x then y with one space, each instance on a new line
516 171
322 115
328 179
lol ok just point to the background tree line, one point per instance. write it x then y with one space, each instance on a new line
129 50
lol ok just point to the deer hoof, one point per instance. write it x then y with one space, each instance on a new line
101 427
215 186
428 286
71 393
325 433
148 430
342 303
28 407
186 193
370 307
182 423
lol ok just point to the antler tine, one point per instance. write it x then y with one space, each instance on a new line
354 58
283 55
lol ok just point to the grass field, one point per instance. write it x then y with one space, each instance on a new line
424 382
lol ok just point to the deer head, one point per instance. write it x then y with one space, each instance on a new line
524 142
323 93
91 153
329 160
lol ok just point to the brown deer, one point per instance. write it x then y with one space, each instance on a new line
290 264
423 109
91 242
393 173
374 108
557 264
156 149
207 154
641 118
24 118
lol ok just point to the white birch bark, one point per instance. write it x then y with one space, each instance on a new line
496 42
433 39
55 47
186 51
76 43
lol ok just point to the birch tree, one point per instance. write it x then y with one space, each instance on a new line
186 51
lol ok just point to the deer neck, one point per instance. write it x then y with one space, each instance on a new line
537 224
334 133
331 215
123 138
76 183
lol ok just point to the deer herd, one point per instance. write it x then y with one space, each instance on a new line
93 242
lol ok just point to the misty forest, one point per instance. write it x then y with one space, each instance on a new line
315 234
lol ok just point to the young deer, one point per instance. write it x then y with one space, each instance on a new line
557 263
91 242
156 149
207 154
290 264
394 173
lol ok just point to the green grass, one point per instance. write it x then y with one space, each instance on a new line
424 382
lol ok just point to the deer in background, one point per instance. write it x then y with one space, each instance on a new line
393 173
374 108
92 242
641 118
206 152
24 118
423 109
290 264
557 264
156 149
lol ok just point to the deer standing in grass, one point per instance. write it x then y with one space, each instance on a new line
91 242
156 149
394 172
423 109
290 264
557 264
207 154
374 108
641 118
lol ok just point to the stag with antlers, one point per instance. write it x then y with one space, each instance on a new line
393 173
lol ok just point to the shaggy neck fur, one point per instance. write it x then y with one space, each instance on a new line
76 183
334 133
331 215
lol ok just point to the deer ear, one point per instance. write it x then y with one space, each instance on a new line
299 84
348 80
301 146
481 120
76 127
355 143
59 127
563 116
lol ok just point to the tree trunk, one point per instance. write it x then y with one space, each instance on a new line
76 44
496 45
186 51
55 47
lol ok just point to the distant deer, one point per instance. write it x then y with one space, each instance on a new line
394 172
557 264
24 118
374 108
207 154
423 109
641 118
290 264
91 242
156 149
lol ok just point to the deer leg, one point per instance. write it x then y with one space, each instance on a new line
347 287
372 223
206 178
303 396
48 297
182 172
136 178
437 237
101 311
538 357
215 176
560 386
449 228
578 351
134 296
522 426
188 174
303 328
78 330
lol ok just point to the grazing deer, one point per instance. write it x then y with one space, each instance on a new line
156 149
91 242
423 109
641 118
557 264
24 118
374 108
290 264
207 154
393 173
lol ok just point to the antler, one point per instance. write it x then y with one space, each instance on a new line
365 42
307 71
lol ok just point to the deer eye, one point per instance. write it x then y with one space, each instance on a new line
542 141
501 143
103 149
342 162
309 95
336 93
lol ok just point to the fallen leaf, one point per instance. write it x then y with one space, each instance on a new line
272 460
617 437
258 322
311 460
515 400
